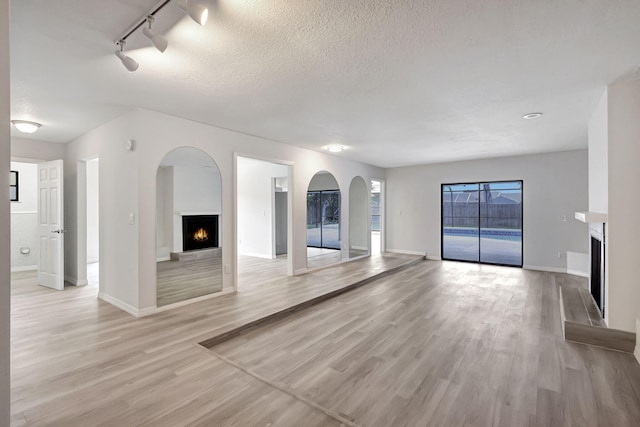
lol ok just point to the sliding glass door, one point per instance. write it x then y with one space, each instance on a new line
482 222
323 219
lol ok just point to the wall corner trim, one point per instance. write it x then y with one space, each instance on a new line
76 282
578 273
404 252
119 304
24 268
543 268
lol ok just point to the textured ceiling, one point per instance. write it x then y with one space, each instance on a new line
397 82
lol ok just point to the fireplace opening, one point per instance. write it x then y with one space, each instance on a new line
199 232
597 276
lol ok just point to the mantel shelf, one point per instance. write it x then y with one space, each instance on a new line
198 213
591 217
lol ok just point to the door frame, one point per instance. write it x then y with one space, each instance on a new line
81 223
383 242
291 255
442 185
321 225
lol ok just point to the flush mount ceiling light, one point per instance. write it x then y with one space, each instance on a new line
158 41
194 9
128 62
531 116
335 148
25 126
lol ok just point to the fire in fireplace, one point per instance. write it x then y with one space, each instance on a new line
199 232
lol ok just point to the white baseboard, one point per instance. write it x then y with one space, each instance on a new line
578 273
120 304
24 268
164 258
402 251
433 257
360 248
153 310
255 255
548 269
637 353
75 282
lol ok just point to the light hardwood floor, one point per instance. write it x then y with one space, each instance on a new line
77 360
436 344
190 278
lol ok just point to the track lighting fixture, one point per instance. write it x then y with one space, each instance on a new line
195 10
129 63
158 41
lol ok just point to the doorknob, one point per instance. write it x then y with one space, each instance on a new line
59 231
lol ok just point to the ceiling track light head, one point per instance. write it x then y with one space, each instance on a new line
195 10
158 41
128 62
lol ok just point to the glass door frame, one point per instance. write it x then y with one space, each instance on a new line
322 246
479 183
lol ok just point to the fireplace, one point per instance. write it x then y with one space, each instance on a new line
597 274
199 232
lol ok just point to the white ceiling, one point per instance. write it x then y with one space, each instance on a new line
397 82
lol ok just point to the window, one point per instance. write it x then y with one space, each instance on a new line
13 186
482 222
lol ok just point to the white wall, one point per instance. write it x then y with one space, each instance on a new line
5 253
555 185
93 213
24 219
323 181
118 198
164 212
359 200
598 157
32 149
128 185
255 206
195 189
623 228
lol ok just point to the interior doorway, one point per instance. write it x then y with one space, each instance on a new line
376 217
93 221
324 222
263 222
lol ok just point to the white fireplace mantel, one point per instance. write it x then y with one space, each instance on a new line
591 217
198 213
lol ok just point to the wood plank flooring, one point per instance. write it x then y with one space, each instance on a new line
189 278
444 344
436 344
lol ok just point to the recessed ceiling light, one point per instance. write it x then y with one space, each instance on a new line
335 148
25 126
532 116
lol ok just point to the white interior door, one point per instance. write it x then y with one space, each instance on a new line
51 225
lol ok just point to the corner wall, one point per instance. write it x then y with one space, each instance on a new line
623 227
555 186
